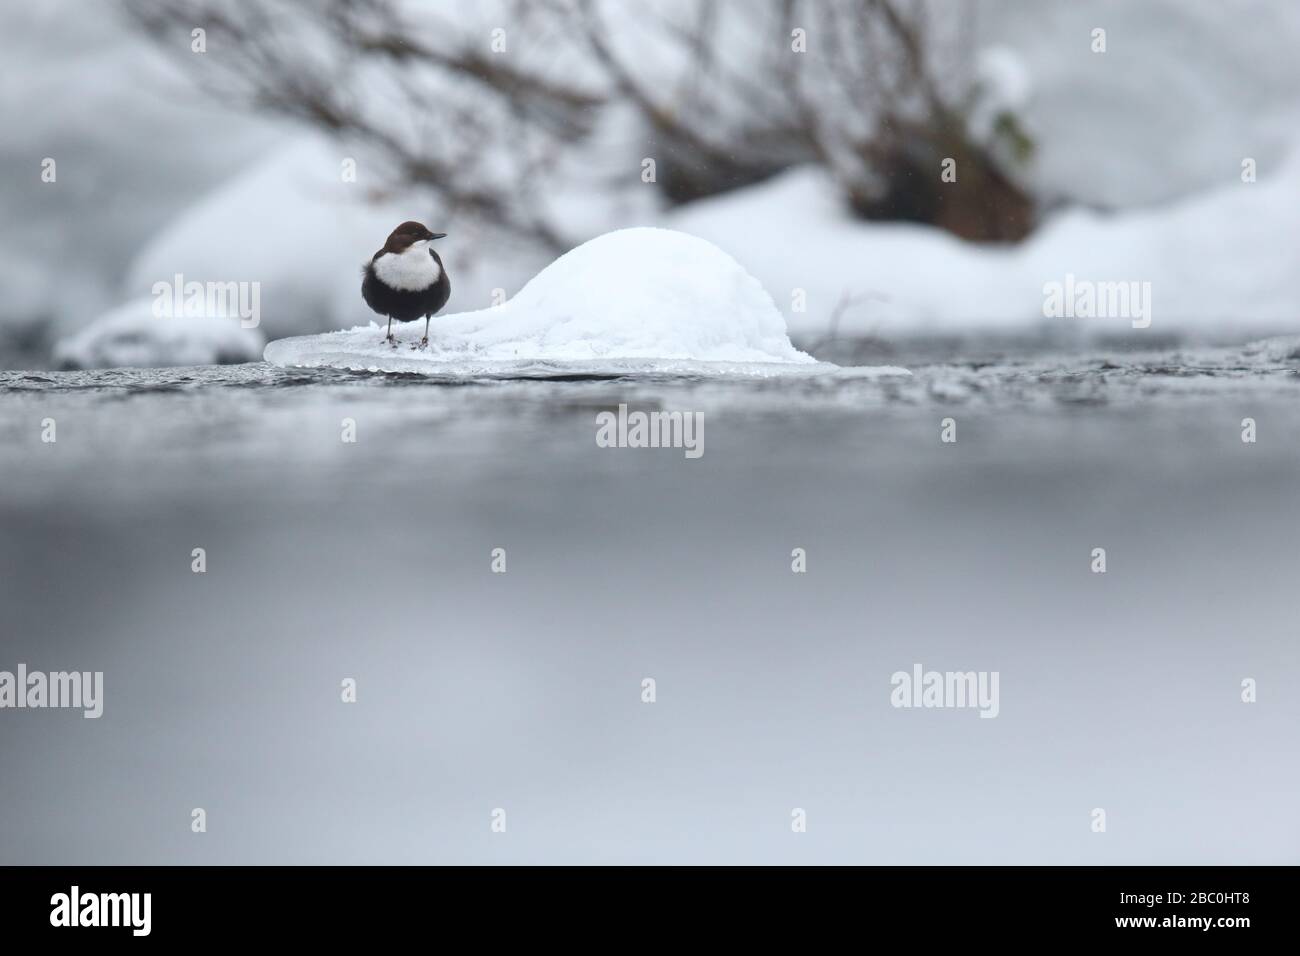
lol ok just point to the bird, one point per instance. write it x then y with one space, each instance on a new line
406 279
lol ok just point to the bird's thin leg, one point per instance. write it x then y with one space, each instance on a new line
388 336
425 340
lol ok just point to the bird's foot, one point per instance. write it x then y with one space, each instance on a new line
424 342
391 340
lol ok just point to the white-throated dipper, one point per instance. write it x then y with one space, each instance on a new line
406 279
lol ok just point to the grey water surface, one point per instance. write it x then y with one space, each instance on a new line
522 691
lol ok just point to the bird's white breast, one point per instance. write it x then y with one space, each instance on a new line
411 271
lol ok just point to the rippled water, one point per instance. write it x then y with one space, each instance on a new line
371 560
1002 377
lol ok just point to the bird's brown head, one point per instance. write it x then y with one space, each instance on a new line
408 234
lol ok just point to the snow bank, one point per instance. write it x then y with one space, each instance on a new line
131 335
633 300
1221 261
290 223
134 139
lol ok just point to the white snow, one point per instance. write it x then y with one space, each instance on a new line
290 224
636 299
1223 260
134 142
132 336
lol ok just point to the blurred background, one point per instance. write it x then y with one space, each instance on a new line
278 142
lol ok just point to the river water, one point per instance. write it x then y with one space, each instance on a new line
371 560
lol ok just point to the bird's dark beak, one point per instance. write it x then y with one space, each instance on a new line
437 235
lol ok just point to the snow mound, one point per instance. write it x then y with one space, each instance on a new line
640 299
132 336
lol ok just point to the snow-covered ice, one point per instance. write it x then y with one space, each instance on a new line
634 300
133 336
